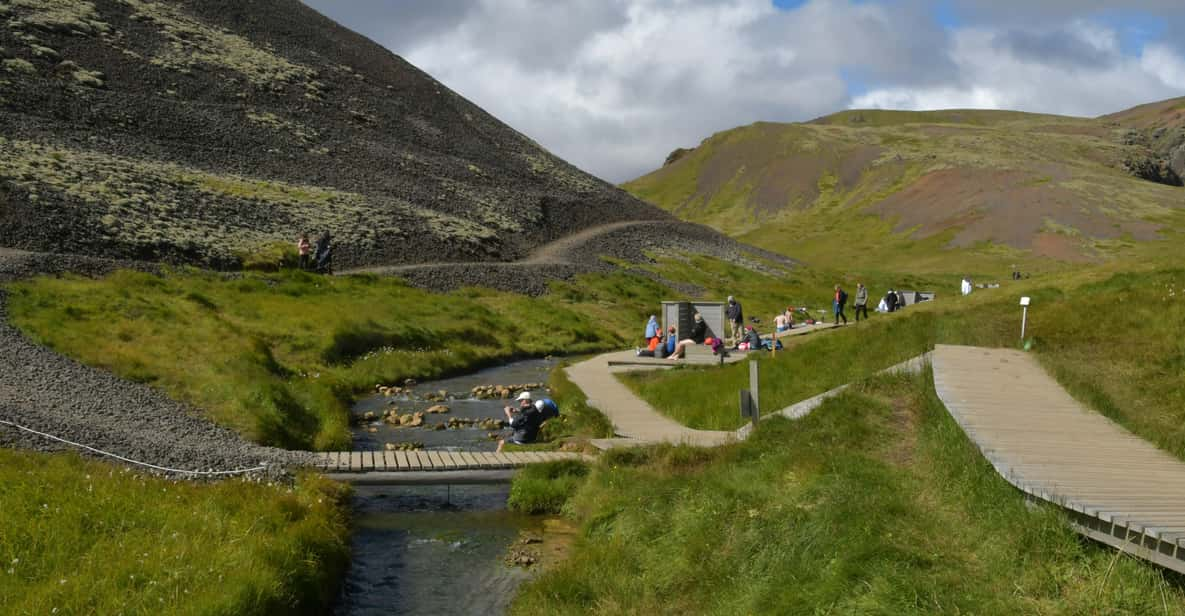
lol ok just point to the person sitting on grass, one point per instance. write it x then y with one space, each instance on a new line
699 332
526 420
753 338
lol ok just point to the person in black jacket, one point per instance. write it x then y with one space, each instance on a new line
891 300
699 332
736 318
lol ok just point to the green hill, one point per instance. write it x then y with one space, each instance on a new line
888 188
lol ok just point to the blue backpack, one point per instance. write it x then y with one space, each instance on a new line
550 410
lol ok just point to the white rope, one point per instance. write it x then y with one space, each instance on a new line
131 461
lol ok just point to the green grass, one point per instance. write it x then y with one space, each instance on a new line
279 356
874 504
82 537
809 190
1114 340
545 488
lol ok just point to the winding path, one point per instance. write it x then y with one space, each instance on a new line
556 252
1115 487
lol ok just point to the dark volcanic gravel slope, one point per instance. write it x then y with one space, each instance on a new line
187 130
44 391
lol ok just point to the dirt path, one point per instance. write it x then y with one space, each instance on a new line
558 252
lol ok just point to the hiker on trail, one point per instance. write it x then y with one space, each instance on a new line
526 420
891 300
965 287
736 318
323 255
841 299
303 246
861 301
699 331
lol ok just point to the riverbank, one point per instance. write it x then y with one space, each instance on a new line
87 537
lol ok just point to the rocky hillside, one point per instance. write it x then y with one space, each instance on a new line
1038 185
202 130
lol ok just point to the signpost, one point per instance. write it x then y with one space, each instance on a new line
1024 316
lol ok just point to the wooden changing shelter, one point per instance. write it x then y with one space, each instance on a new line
681 313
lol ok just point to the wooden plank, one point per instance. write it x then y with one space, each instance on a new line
450 462
389 461
469 459
355 461
415 461
401 461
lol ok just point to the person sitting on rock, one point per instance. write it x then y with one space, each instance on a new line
699 332
526 420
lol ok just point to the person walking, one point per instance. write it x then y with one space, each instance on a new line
861 301
736 319
841 299
891 300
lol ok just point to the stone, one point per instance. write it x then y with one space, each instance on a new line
437 409
440 426
1177 161
409 382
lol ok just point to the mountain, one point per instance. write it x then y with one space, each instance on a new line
202 131
1005 184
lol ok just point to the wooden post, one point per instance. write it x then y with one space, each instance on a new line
753 390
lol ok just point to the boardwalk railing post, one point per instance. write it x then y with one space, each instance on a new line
754 390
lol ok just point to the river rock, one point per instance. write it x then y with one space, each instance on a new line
409 382
439 426
437 409
408 446
369 416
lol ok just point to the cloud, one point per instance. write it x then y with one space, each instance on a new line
614 85
1079 70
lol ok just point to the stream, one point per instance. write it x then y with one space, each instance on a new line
436 549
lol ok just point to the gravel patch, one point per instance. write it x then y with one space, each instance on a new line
45 391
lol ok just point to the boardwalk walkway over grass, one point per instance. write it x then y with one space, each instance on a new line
1116 488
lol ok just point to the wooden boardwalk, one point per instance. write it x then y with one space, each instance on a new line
388 461
1115 487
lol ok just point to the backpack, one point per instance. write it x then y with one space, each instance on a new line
843 297
549 410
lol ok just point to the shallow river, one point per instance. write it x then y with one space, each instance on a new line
436 549
432 550
459 403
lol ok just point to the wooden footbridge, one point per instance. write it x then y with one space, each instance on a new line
404 461
1115 487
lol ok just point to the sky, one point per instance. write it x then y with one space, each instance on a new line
614 85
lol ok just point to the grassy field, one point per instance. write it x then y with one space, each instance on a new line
82 537
944 192
874 504
1115 340
278 356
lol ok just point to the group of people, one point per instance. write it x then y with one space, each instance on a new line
315 257
840 300
668 344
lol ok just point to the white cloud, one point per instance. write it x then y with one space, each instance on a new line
647 76
1043 76
614 85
